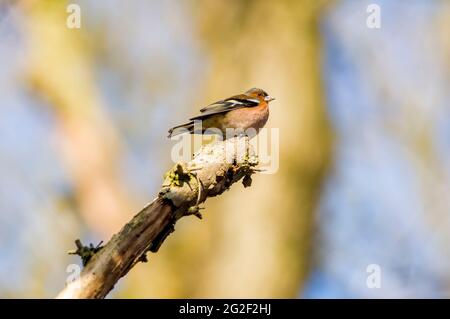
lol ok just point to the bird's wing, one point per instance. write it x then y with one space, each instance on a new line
222 106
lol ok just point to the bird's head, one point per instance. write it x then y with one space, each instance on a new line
260 94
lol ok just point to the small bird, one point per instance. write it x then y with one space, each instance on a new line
239 112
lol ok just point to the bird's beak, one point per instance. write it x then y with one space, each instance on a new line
269 98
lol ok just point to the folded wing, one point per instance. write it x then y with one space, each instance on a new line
232 103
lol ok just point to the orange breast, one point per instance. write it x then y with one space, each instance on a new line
249 117
255 117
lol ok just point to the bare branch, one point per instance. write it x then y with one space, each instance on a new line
211 172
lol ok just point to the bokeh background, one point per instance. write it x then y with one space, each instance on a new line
364 119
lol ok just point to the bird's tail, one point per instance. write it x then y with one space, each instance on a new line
176 129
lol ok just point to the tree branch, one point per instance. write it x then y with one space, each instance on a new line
214 168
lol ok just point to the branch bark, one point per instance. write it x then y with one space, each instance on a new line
214 168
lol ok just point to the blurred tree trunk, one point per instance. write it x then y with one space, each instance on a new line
60 71
252 246
259 241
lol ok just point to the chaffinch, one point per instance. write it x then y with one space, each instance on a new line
239 112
